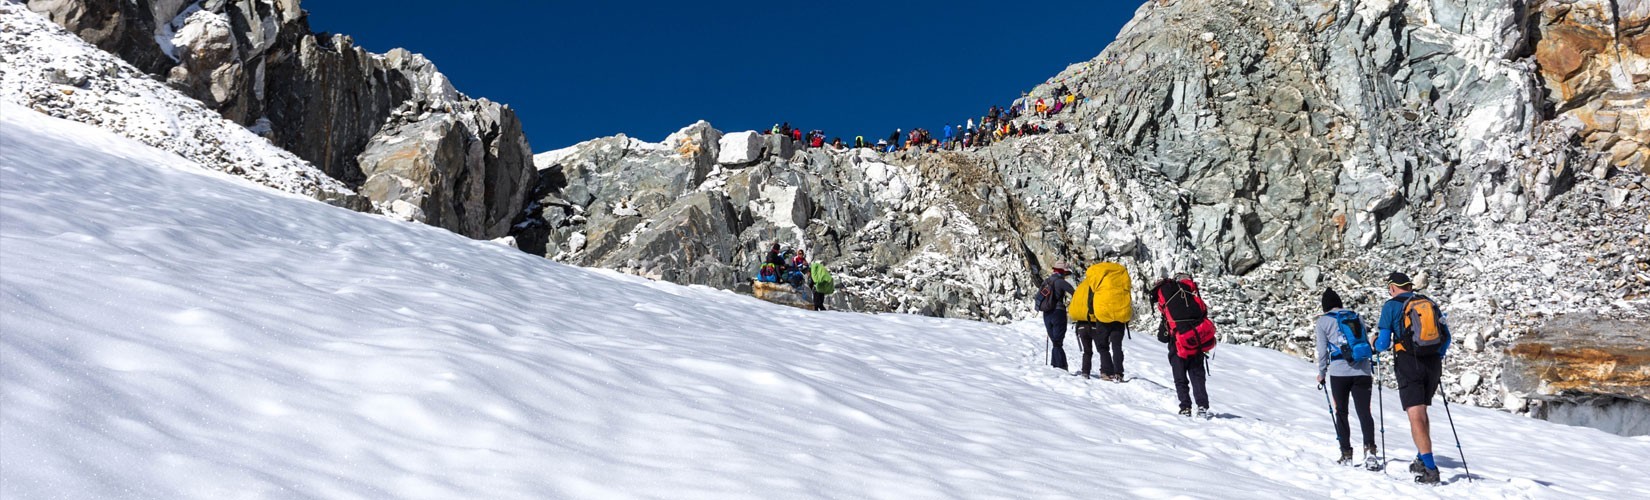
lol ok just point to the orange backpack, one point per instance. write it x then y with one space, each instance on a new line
1423 332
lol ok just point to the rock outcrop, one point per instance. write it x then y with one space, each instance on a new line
258 64
1271 147
1586 369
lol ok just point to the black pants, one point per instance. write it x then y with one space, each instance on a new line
1107 338
1358 388
1189 371
819 301
1055 321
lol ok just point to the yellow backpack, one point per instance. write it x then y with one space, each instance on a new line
1103 296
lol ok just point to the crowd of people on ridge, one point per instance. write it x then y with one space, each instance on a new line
997 124
1411 327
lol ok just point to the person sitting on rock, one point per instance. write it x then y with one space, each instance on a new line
800 260
774 258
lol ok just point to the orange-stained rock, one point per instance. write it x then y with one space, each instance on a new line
1566 49
784 294
1583 354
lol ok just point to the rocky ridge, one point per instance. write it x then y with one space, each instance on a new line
438 156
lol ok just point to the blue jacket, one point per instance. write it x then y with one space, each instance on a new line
1392 319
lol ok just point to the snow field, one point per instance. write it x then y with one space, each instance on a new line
172 332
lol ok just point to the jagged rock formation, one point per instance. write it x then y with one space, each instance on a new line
671 211
258 64
1272 147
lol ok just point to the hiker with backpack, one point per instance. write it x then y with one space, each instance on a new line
1102 310
1345 356
1413 328
821 283
1186 328
1050 301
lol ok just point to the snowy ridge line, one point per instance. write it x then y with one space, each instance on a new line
52 71
429 365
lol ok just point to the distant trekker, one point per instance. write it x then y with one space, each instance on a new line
1051 301
820 281
1413 328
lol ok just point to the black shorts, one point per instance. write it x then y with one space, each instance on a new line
1418 378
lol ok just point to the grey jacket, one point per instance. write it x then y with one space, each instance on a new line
1327 332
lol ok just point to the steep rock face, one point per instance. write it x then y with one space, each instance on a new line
257 63
429 166
1594 59
122 28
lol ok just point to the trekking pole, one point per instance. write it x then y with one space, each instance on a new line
1048 350
1458 449
1331 407
1380 394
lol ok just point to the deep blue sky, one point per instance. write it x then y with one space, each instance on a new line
577 70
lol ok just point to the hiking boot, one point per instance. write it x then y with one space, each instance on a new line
1372 459
1086 376
1186 412
1427 476
1346 457
1417 466
1203 412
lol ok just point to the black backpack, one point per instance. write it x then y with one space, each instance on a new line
1045 300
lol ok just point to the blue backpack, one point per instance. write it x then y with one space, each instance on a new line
1354 345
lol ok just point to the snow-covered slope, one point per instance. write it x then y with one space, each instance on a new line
186 334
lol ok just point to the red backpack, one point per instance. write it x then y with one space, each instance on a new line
1187 318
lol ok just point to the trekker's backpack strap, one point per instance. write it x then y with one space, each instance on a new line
1091 304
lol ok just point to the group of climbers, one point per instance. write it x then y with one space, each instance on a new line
1062 100
997 124
1411 328
791 267
1102 307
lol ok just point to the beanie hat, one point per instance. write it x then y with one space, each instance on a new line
1331 300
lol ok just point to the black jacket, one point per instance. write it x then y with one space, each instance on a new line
1061 288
